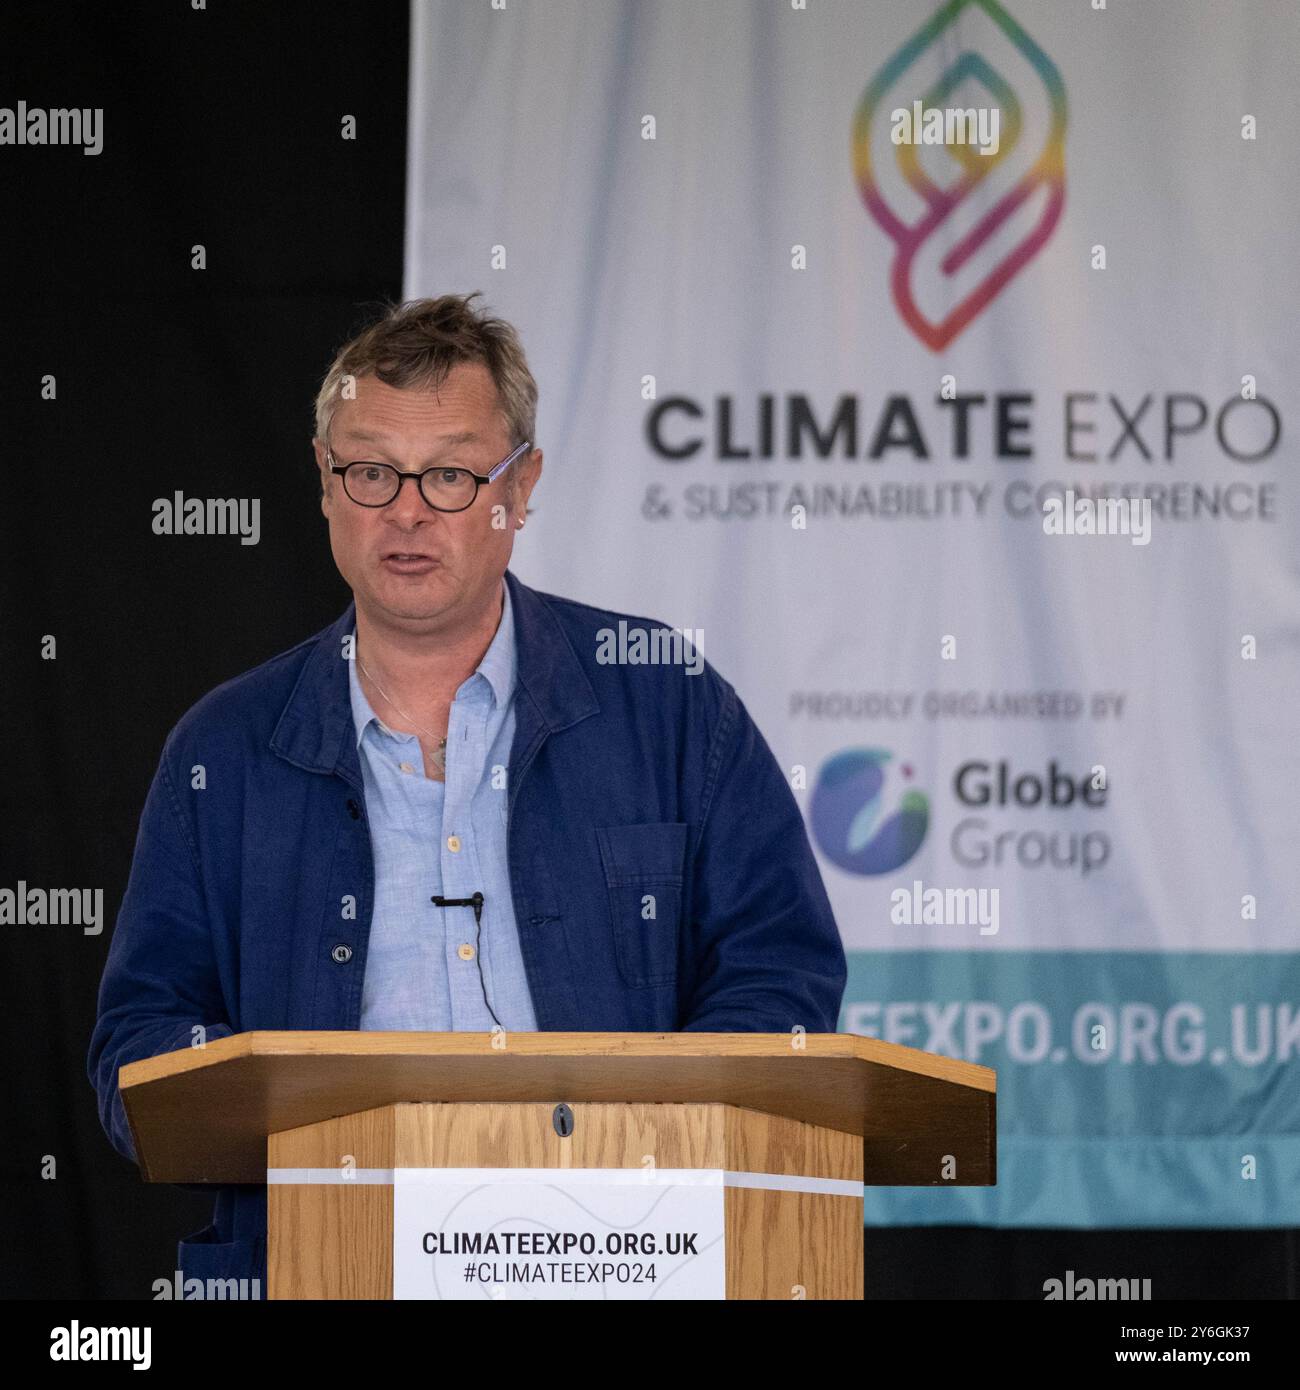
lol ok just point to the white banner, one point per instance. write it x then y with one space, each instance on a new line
938 362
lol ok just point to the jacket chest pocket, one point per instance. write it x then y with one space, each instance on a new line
643 878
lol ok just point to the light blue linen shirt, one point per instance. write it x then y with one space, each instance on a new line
446 839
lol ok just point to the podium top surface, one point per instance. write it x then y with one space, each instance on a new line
203 1114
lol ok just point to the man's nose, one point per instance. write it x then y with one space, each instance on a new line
409 505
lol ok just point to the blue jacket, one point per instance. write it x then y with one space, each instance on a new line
622 779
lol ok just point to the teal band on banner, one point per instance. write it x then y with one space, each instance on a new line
1113 1184
1134 1088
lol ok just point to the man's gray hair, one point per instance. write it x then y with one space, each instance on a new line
419 342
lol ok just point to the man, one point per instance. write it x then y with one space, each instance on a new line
446 811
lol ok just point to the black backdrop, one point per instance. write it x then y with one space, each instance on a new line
222 129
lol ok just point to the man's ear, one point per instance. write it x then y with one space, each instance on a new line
525 481
322 474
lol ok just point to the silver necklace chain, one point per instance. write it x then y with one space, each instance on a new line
438 752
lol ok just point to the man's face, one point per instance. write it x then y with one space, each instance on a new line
407 564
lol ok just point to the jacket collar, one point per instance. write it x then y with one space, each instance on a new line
315 730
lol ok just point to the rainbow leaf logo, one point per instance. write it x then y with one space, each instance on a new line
849 820
939 205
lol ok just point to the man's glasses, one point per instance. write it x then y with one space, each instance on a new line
444 489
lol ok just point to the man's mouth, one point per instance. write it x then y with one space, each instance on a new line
408 562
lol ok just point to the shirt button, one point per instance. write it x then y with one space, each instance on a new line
406 767
465 951
453 843
342 954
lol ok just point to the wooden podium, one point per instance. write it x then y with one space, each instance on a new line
786 1128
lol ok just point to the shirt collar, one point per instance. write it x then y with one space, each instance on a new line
313 728
498 668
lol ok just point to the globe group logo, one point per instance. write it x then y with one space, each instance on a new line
943 211
851 820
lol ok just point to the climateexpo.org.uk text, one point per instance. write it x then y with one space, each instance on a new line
560 1243
1129 1032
